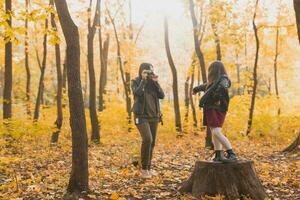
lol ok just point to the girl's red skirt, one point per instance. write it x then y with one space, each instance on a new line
213 118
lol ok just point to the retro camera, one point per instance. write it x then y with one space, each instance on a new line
150 74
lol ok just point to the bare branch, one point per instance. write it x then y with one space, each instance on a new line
139 32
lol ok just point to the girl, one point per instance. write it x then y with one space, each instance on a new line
215 103
147 115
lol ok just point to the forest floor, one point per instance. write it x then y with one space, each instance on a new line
31 169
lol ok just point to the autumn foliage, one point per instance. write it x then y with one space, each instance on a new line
32 166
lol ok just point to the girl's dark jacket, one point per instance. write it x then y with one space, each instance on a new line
138 89
216 95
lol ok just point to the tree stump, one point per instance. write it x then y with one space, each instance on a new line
233 180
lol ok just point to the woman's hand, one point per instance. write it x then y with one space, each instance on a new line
155 78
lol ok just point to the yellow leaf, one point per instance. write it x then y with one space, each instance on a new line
114 196
92 196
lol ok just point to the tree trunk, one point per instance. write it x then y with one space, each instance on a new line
217 43
191 97
238 74
79 174
198 77
275 67
28 75
64 83
254 72
85 87
7 100
124 77
40 67
103 71
41 81
175 82
269 86
196 42
208 138
59 117
297 12
233 180
92 100
130 21
128 99
127 69
294 145
186 99
64 75
217 39
246 85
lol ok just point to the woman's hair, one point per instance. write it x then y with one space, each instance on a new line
215 71
144 66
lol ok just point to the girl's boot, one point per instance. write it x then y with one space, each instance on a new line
231 155
218 156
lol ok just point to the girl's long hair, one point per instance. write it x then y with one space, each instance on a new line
215 71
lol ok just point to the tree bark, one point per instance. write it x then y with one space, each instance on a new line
191 97
294 144
64 75
250 119
78 181
297 12
28 75
186 99
41 81
196 42
208 138
103 71
124 76
40 67
275 66
8 74
103 49
217 41
90 45
85 87
175 82
238 73
233 180
130 21
128 99
59 117
214 28
127 69
64 83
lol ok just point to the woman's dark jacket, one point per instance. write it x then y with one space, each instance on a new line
216 95
138 89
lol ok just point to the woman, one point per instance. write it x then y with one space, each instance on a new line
215 104
147 115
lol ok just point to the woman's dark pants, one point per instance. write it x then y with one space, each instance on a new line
148 133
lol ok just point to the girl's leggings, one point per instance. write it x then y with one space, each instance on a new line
219 139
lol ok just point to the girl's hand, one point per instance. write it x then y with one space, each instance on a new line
194 92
